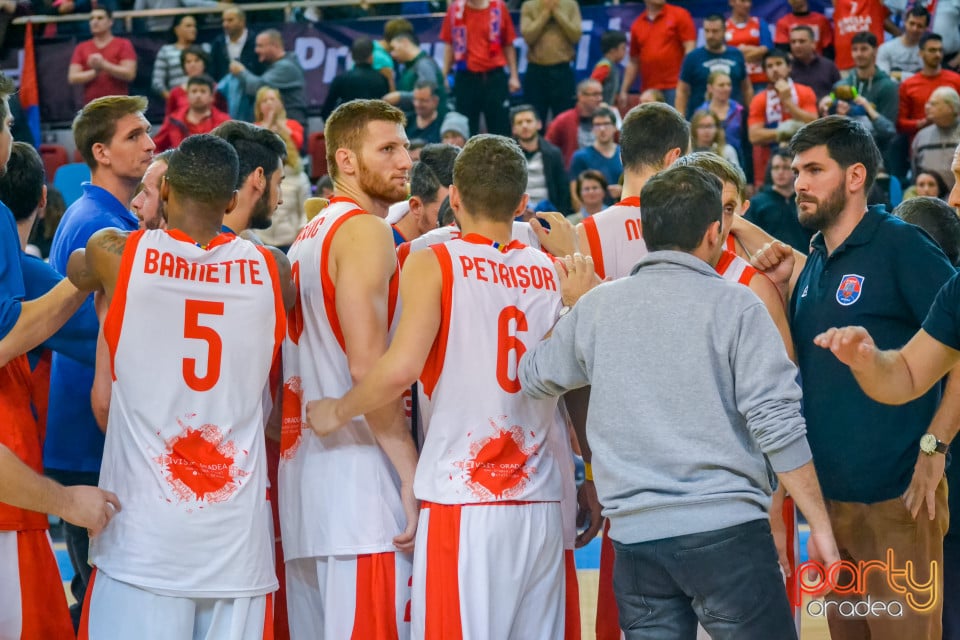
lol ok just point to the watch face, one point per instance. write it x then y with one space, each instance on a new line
928 443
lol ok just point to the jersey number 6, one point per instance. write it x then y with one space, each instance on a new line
507 342
193 330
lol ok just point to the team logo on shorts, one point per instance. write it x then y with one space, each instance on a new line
849 290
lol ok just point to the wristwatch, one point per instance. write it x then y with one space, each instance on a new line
929 444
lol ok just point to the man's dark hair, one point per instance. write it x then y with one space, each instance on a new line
491 176
7 89
203 79
714 17
779 152
21 187
105 9
604 112
649 132
445 213
433 171
937 218
256 146
918 12
679 205
807 29
324 182
409 36
776 53
427 84
199 52
204 168
361 50
522 108
847 141
610 40
865 37
928 36
942 188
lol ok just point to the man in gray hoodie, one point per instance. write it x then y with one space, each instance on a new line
687 416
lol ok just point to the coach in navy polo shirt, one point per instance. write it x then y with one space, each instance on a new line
871 269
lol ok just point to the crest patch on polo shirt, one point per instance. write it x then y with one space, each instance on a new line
849 290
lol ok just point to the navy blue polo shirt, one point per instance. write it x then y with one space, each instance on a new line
884 277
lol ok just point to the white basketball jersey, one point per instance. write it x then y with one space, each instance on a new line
485 440
734 268
192 333
339 495
615 237
521 232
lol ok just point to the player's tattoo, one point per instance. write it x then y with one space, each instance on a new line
113 242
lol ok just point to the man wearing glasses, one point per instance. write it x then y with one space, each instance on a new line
573 129
603 155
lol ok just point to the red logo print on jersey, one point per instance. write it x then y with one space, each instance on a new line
200 464
291 424
497 467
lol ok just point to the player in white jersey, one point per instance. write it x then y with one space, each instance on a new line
190 554
489 555
347 510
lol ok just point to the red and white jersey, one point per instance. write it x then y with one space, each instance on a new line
485 440
615 236
339 495
734 268
522 232
191 333
749 34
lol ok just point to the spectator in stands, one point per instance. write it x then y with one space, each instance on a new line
105 65
168 69
552 30
613 46
659 39
479 36
418 66
425 120
697 65
603 155
933 145
164 23
546 172
194 61
900 57
573 129
199 116
927 183
809 68
455 129
235 43
652 95
800 14
362 81
728 111
707 134
281 71
591 191
325 187
774 207
946 22
850 17
751 36
777 112
289 216
916 90
382 58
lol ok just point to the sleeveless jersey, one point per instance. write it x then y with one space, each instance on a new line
339 495
21 435
485 440
747 33
521 232
191 335
734 268
615 236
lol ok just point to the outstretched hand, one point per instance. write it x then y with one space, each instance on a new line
853 346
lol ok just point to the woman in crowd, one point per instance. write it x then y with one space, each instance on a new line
707 134
927 183
168 71
729 112
194 62
289 218
591 189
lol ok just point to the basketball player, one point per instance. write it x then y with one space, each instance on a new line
347 509
488 560
191 555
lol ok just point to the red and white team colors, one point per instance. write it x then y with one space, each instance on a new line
615 238
734 268
184 447
489 550
339 495
521 232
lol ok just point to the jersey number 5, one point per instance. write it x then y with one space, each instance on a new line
509 342
193 330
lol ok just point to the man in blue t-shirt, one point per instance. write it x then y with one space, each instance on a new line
603 155
715 55
113 137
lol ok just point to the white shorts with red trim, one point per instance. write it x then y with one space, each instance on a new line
32 601
344 597
489 571
114 609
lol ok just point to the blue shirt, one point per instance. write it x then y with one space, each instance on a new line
11 277
884 277
74 442
697 66
590 158
71 339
